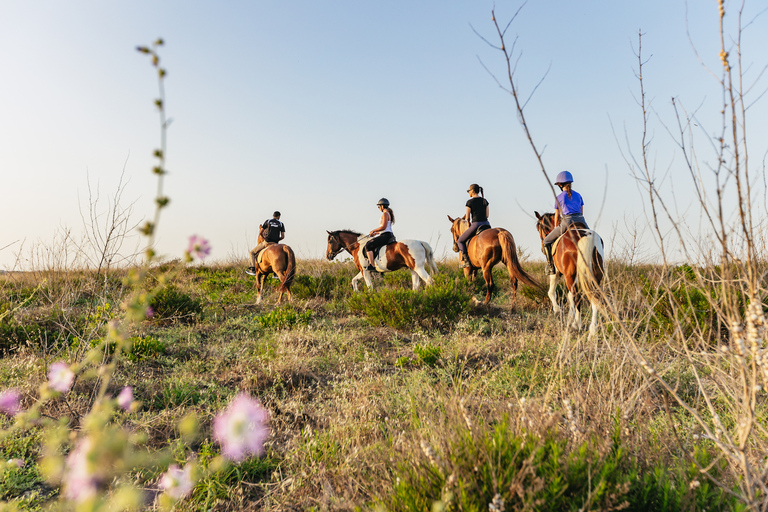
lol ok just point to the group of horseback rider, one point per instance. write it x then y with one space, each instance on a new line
569 209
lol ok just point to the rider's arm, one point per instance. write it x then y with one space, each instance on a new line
382 226
556 222
487 209
468 215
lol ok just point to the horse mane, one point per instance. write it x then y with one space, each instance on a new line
348 231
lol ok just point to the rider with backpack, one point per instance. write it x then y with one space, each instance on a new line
569 209
477 212
272 231
385 228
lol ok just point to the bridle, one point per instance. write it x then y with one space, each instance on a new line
342 247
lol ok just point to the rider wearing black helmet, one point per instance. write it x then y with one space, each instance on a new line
569 208
386 235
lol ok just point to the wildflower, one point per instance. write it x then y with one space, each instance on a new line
60 377
198 247
694 484
17 463
242 428
177 482
149 313
80 479
125 398
497 505
10 402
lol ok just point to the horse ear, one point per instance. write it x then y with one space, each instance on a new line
537 215
330 232
450 219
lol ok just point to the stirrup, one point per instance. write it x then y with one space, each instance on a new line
464 263
251 271
371 268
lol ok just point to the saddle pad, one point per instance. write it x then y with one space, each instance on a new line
260 256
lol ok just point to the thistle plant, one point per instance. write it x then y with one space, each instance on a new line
93 457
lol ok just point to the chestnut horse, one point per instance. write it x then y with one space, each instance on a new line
280 260
486 250
411 254
578 257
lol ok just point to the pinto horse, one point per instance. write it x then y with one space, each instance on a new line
578 257
414 255
280 260
486 250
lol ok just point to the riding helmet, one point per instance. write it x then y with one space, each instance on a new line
564 177
383 202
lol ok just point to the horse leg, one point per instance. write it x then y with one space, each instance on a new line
415 280
593 323
281 276
552 295
513 280
259 284
488 276
421 272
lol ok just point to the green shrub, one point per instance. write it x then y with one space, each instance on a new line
170 303
145 347
284 318
438 306
326 286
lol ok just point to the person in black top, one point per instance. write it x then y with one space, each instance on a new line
477 214
272 231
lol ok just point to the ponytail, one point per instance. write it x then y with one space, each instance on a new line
568 190
477 189
391 215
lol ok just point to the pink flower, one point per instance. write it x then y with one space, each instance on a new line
150 312
198 247
177 483
17 463
60 377
125 398
242 428
80 479
10 402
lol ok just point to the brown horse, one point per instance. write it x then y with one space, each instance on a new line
578 257
414 255
280 260
486 250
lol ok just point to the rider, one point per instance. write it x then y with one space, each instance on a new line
385 228
272 231
569 208
477 209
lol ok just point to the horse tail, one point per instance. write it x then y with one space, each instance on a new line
509 257
430 257
590 269
290 269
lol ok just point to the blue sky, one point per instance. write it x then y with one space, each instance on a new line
318 109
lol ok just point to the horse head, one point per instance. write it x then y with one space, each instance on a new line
458 226
335 245
545 223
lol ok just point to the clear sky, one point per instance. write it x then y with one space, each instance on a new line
320 108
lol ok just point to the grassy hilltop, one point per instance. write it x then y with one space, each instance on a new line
392 400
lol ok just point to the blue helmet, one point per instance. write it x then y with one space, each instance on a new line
564 177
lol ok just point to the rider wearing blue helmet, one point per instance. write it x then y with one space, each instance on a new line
569 208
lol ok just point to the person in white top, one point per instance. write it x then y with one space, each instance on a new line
386 236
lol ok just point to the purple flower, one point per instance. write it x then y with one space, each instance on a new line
198 247
80 479
242 428
10 402
177 482
60 377
17 463
150 312
125 398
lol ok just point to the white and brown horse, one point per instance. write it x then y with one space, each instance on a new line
280 260
414 255
579 259
486 250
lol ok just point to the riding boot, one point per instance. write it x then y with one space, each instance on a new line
550 270
371 267
464 260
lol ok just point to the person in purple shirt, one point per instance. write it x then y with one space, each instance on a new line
569 208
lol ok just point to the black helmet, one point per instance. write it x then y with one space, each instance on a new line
383 202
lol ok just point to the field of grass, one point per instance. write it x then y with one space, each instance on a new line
390 400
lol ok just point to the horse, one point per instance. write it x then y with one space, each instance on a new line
486 250
578 257
280 260
414 255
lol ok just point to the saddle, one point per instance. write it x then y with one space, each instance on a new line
376 250
576 228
